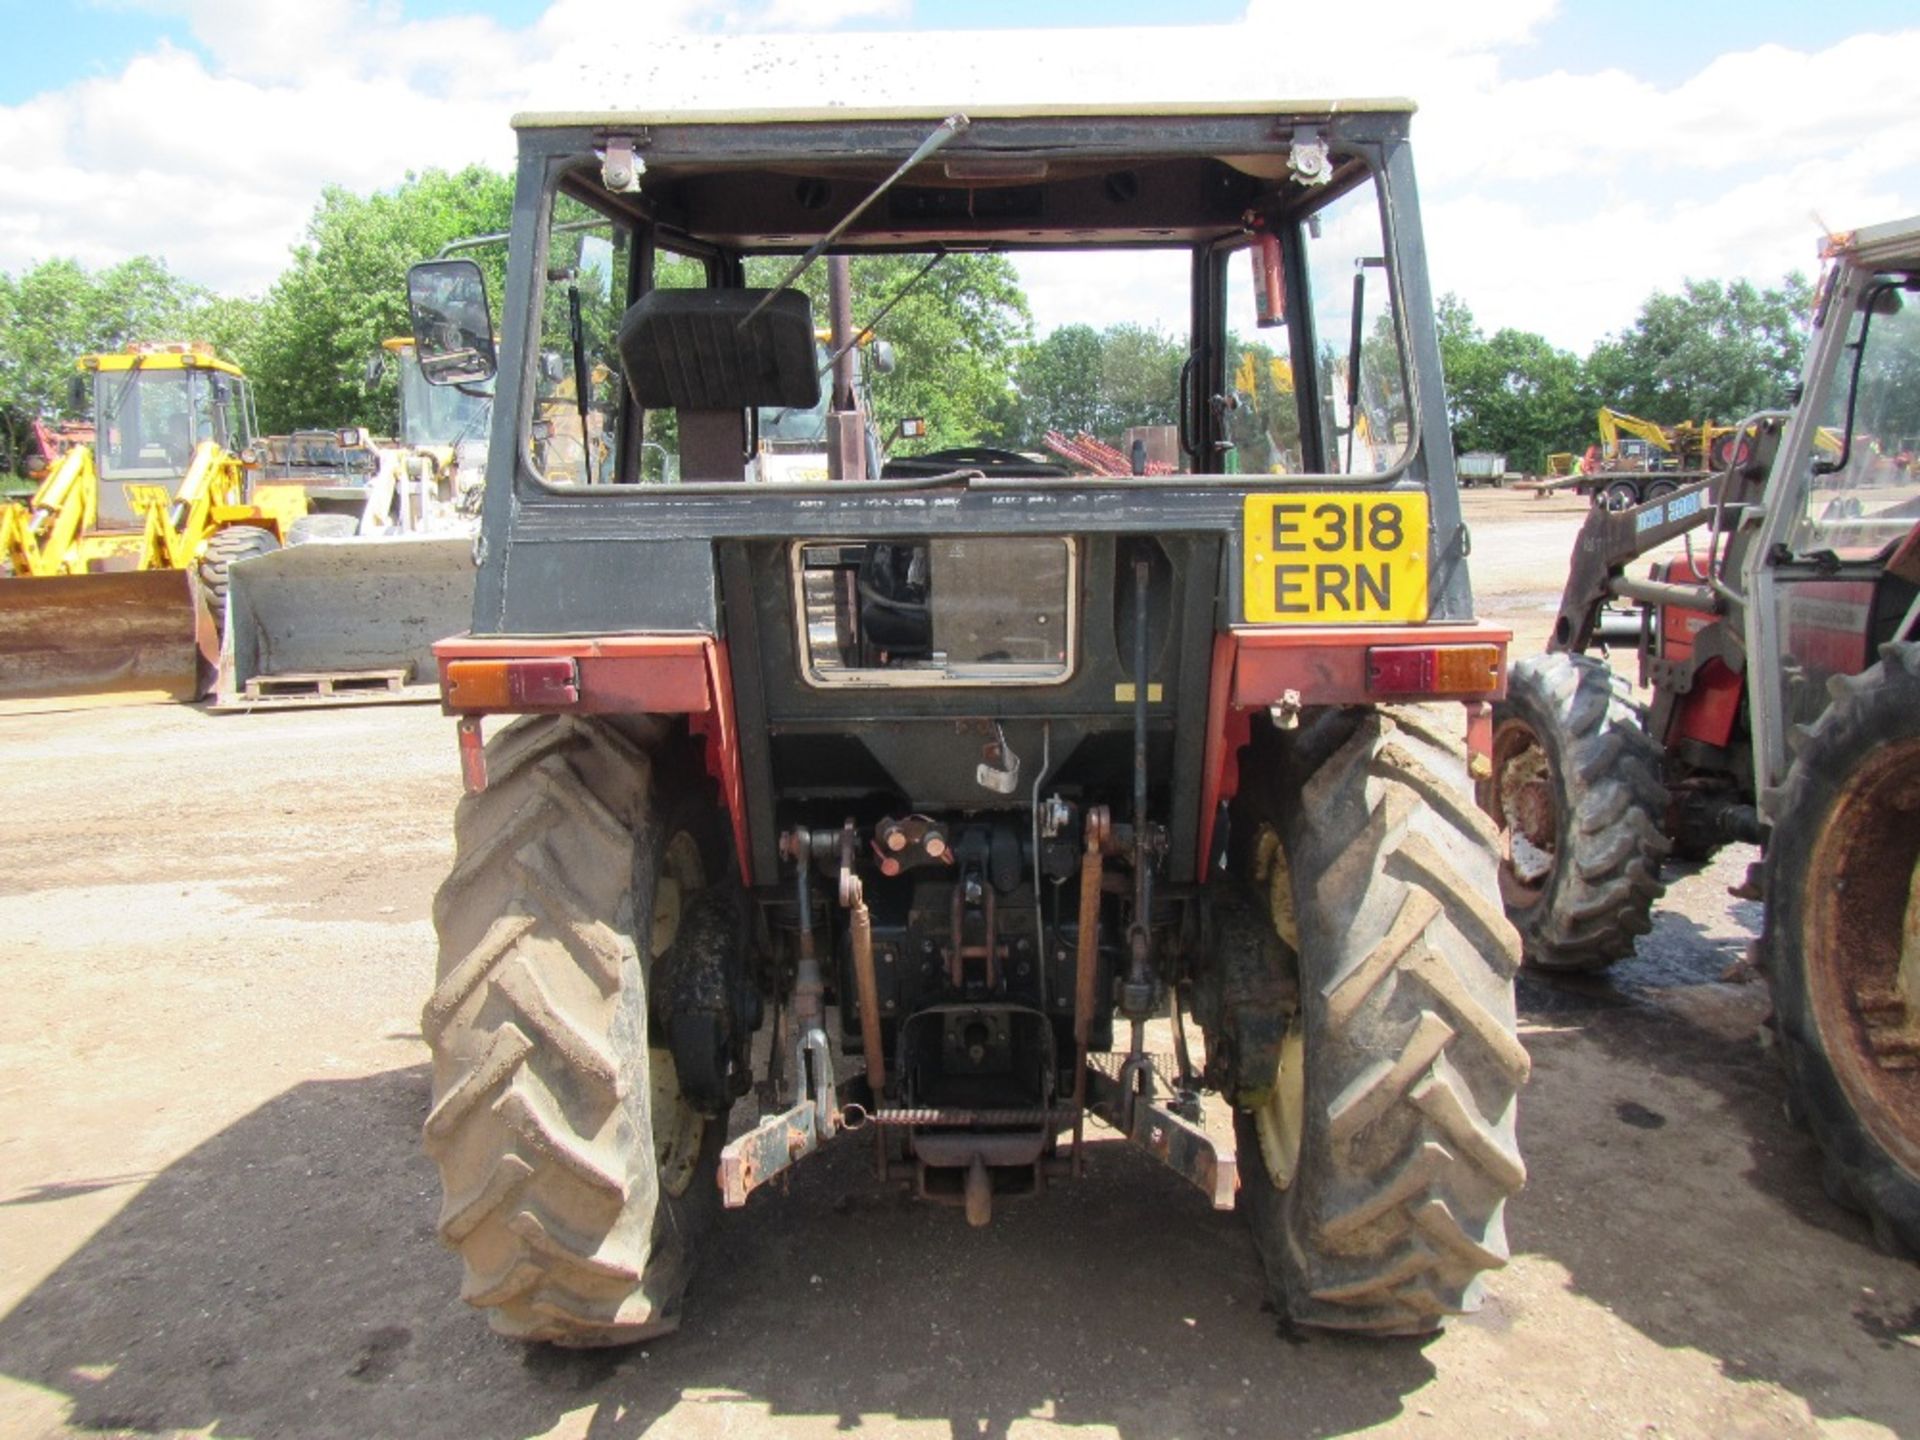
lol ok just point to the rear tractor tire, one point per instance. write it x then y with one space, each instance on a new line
1577 797
1377 1161
577 1175
1841 943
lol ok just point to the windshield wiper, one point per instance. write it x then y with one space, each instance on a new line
945 131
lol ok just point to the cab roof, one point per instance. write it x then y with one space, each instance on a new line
933 114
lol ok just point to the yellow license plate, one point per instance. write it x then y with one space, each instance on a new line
1336 558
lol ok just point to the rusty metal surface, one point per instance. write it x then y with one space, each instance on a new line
1177 1143
130 637
1086 967
752 1159
860 927
1863 945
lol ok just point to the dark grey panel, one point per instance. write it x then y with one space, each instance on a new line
592 587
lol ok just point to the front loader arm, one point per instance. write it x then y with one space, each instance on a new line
41 536
214 478
1612 539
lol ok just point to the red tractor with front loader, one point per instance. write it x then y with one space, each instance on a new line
1781 650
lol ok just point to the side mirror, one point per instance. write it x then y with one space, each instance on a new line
885 361
552 368
79 393
452 322
376 369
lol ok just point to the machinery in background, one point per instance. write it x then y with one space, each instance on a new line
352 619
1782 650
118 564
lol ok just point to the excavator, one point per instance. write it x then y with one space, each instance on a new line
116 568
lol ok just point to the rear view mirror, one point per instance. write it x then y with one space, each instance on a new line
884 359
452 323
376 368
79 393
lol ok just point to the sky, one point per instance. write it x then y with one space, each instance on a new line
1573 155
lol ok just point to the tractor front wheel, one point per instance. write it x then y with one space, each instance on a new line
1577 796
217 557
1841 943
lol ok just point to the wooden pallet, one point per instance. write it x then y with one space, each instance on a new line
328 685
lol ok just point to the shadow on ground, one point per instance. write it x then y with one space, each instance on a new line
283 1278
1676 1191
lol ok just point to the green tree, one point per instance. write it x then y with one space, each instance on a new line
1716 350
955 338
1100 381
345 292
57 311
1511 392
1059 381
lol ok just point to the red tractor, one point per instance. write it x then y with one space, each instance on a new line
1782 652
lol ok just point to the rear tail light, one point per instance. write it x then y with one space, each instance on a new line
1433 669
511 684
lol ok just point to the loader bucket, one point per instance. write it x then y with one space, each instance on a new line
340 622
123 638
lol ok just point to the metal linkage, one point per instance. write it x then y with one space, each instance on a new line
1086 974
1127 1104
779 1140
932 1117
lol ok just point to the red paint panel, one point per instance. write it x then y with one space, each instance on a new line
618 674
628 675
1708 711
1254 667
1228 729
1329 666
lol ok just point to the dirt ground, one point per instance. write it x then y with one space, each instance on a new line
215 1217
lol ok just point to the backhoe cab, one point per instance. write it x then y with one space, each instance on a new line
958 782
119 562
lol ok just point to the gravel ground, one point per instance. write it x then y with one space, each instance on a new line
215 1219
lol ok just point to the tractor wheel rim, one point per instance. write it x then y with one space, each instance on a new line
1280 1119
1525 810
1862 941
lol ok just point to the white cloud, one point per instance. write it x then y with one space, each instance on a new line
1554 203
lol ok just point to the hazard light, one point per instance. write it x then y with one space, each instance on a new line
1433 669
511 684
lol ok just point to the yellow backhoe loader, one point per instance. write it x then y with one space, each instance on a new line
117 567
